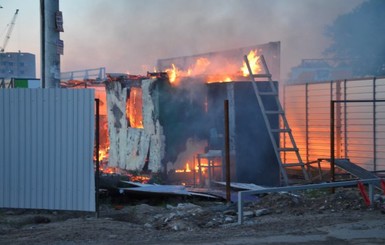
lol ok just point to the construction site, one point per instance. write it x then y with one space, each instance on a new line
210 148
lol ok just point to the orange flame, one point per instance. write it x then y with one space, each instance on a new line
134 108
254 64
204 165
185 170
200 66
203 65
188 168
172 73
219 79
103 153
196 69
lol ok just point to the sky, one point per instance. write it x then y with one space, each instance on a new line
131 35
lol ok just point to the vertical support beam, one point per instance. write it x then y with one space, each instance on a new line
227 150
50 58
97 143
345 122
209 172
374 127
332 153
307 120
200 171
332 159
338 120
42 43
194 172
240 208
283 143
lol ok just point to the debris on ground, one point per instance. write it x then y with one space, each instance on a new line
197 216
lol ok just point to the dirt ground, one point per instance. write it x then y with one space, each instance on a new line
311 217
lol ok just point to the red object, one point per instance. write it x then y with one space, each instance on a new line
363 193
383 185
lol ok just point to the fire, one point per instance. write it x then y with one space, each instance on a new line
108 170
254 64
204 165
225 72
219 78
199 68
185 170
172 73
140 178
134 108
188 168
103 154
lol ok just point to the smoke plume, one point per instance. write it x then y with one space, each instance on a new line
125 35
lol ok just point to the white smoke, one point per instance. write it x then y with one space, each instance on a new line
125 35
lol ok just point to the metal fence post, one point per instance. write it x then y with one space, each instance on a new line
332 141
240 208
371 194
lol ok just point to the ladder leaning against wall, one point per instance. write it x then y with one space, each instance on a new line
283 129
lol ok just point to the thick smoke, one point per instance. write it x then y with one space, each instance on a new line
358 38
125 35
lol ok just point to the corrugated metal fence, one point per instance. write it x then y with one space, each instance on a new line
360 127
46 149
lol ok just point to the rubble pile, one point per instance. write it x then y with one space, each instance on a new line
172 215
204 214
315 201
182 216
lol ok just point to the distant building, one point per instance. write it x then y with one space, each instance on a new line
316 70
17 65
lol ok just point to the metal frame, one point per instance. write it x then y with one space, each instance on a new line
332 129
99 74
373 155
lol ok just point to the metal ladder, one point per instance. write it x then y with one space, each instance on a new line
281 116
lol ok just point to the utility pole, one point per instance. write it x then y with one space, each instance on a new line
51 24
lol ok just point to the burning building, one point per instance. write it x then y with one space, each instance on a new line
173 121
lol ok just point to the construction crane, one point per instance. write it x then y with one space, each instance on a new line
9 32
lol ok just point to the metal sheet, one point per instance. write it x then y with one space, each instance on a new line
162 189
46 149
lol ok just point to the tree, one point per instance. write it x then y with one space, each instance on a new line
360 37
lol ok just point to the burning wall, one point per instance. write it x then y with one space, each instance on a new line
159 123
223 65
136 136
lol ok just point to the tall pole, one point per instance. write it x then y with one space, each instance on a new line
97 165
332 153
227 150
50 39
